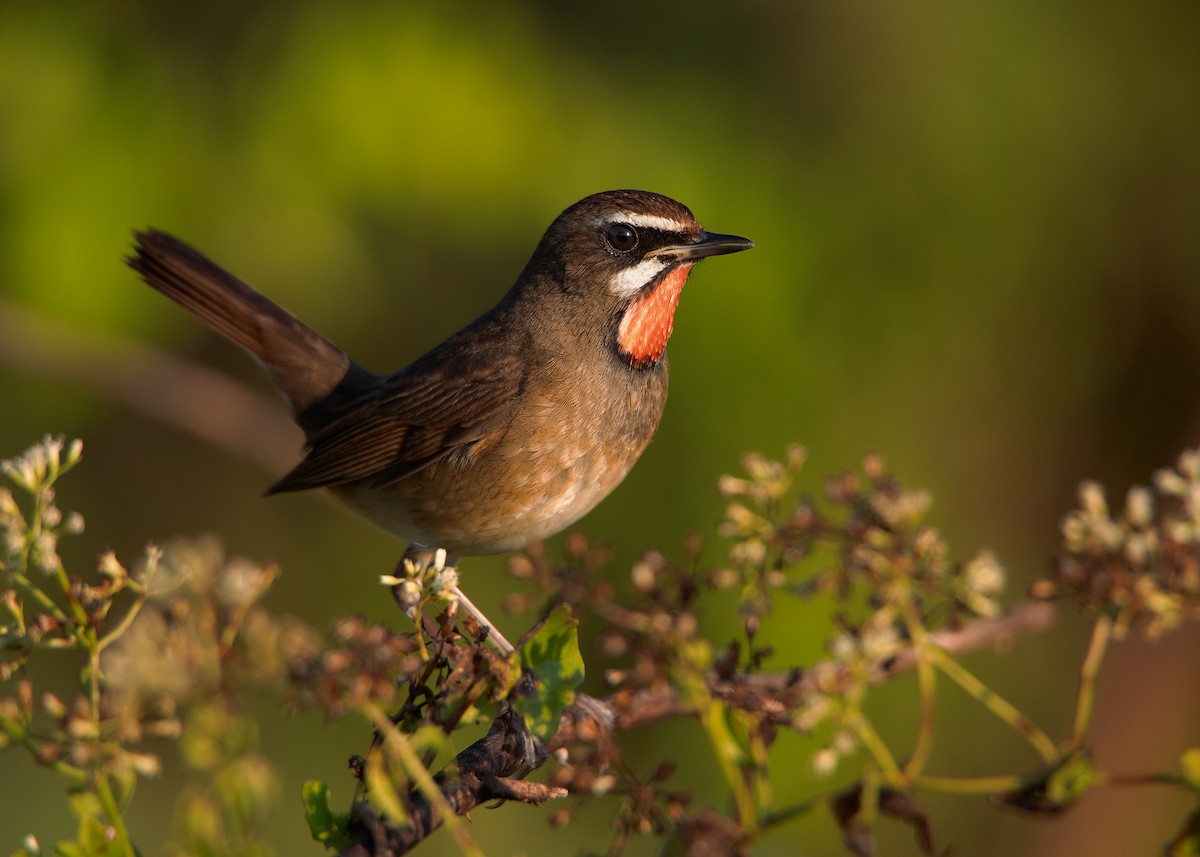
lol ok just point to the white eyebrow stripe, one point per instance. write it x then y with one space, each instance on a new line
647 221
629 281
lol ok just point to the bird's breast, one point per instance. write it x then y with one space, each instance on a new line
565 444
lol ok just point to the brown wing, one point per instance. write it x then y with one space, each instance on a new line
413 419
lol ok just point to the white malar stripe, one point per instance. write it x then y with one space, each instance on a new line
648 221
628 282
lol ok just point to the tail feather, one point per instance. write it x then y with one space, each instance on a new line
304 365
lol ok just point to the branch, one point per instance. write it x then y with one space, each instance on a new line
480 773
777 694
201 401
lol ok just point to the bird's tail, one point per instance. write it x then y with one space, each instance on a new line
304 365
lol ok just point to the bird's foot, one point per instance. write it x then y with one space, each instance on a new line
424 576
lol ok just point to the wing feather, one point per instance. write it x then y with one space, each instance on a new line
414 418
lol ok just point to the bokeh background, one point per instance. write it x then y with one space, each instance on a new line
978 253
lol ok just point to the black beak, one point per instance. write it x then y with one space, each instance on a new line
708 244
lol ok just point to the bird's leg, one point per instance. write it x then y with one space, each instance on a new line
413 575
493 633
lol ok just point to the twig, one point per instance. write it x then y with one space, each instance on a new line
200 401
478 776
777 694
1101 634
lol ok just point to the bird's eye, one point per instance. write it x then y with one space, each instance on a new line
621 237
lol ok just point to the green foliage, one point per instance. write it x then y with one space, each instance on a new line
327 826
552 656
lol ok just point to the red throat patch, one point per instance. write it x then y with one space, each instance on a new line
646 325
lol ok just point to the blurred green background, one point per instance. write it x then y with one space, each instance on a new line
978 253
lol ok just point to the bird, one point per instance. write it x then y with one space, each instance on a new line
511 429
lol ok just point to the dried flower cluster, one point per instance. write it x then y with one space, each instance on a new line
881 542
364 664
871 549
1141 564
32 540
164 650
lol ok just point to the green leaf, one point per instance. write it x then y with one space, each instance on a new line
1068 783
94 838
553 657
1057 790
325 825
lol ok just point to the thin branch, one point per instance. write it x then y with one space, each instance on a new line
998 705
394 740
777 694
200 401
1101 634
478 776
926 689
